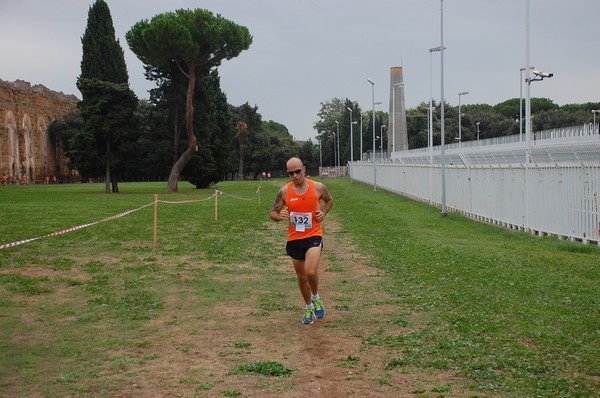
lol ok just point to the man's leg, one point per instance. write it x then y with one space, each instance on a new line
313 256
303 284
311 268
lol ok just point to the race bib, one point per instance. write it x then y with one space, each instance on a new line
301 221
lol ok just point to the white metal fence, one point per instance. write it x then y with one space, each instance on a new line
553 190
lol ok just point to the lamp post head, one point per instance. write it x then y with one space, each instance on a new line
463 93
336 122
436 49
371 81
350 109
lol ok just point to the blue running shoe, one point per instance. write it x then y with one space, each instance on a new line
308 316
319 309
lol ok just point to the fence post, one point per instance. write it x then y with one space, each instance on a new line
155 216
216 202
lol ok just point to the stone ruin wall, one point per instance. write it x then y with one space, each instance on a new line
27 152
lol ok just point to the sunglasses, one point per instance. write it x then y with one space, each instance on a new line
297 171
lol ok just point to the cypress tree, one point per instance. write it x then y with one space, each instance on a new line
103 57
108 104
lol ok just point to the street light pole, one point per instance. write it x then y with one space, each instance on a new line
528 95
338 151
381 139
521 102
361 134
443 143
351 143
334 157
373 116
521 105
320 136
527 117
460 119
431 51
430 135
351 137
393 119
338 148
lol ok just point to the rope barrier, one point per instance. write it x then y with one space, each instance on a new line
64 231
238 197
125 213
186 201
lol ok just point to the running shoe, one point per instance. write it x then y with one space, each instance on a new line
308 316
319 309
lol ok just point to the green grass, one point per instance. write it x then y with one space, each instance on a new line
264 368
512 312
516 315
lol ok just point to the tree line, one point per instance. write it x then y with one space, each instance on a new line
187 130
477 120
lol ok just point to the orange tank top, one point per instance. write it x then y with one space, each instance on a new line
302 210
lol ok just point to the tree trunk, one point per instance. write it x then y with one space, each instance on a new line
115 183
192 142
242 128
241 169
176 133
107 171
178 167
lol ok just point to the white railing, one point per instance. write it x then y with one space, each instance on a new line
553 191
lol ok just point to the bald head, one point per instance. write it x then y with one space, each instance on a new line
294 163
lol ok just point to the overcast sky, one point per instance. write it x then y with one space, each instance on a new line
306 52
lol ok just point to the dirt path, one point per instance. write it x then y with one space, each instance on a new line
339 356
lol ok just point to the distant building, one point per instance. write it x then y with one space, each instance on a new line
27 152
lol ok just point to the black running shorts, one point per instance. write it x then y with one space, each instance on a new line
297 249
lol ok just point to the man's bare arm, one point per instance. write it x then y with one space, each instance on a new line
325 195
276 212
328 200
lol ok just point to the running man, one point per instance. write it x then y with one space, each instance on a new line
301 198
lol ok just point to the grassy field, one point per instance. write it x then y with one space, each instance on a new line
499 313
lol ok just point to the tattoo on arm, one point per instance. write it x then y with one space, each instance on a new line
325 195
277 205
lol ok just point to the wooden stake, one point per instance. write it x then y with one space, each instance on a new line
216 202
155 217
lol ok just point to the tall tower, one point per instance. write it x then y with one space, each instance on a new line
397 136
